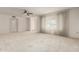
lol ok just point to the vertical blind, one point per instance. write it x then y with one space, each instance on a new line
53 23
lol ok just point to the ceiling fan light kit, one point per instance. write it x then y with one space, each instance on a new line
27 13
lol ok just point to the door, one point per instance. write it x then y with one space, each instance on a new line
13 24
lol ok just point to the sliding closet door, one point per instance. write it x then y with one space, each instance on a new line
13 24
35 24
27 24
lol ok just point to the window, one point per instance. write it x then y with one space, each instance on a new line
51 24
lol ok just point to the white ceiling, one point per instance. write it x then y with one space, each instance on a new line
44 10
34 10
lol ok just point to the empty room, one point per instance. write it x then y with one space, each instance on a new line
39 29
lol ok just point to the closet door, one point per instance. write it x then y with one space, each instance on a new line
27 24
35 24
13 24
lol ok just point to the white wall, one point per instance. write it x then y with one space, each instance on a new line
74 23
4 24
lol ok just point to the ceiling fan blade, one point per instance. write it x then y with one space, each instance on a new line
25 11
30 13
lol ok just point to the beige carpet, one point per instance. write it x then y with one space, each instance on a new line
37 42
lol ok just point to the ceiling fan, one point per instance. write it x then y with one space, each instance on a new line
27 13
